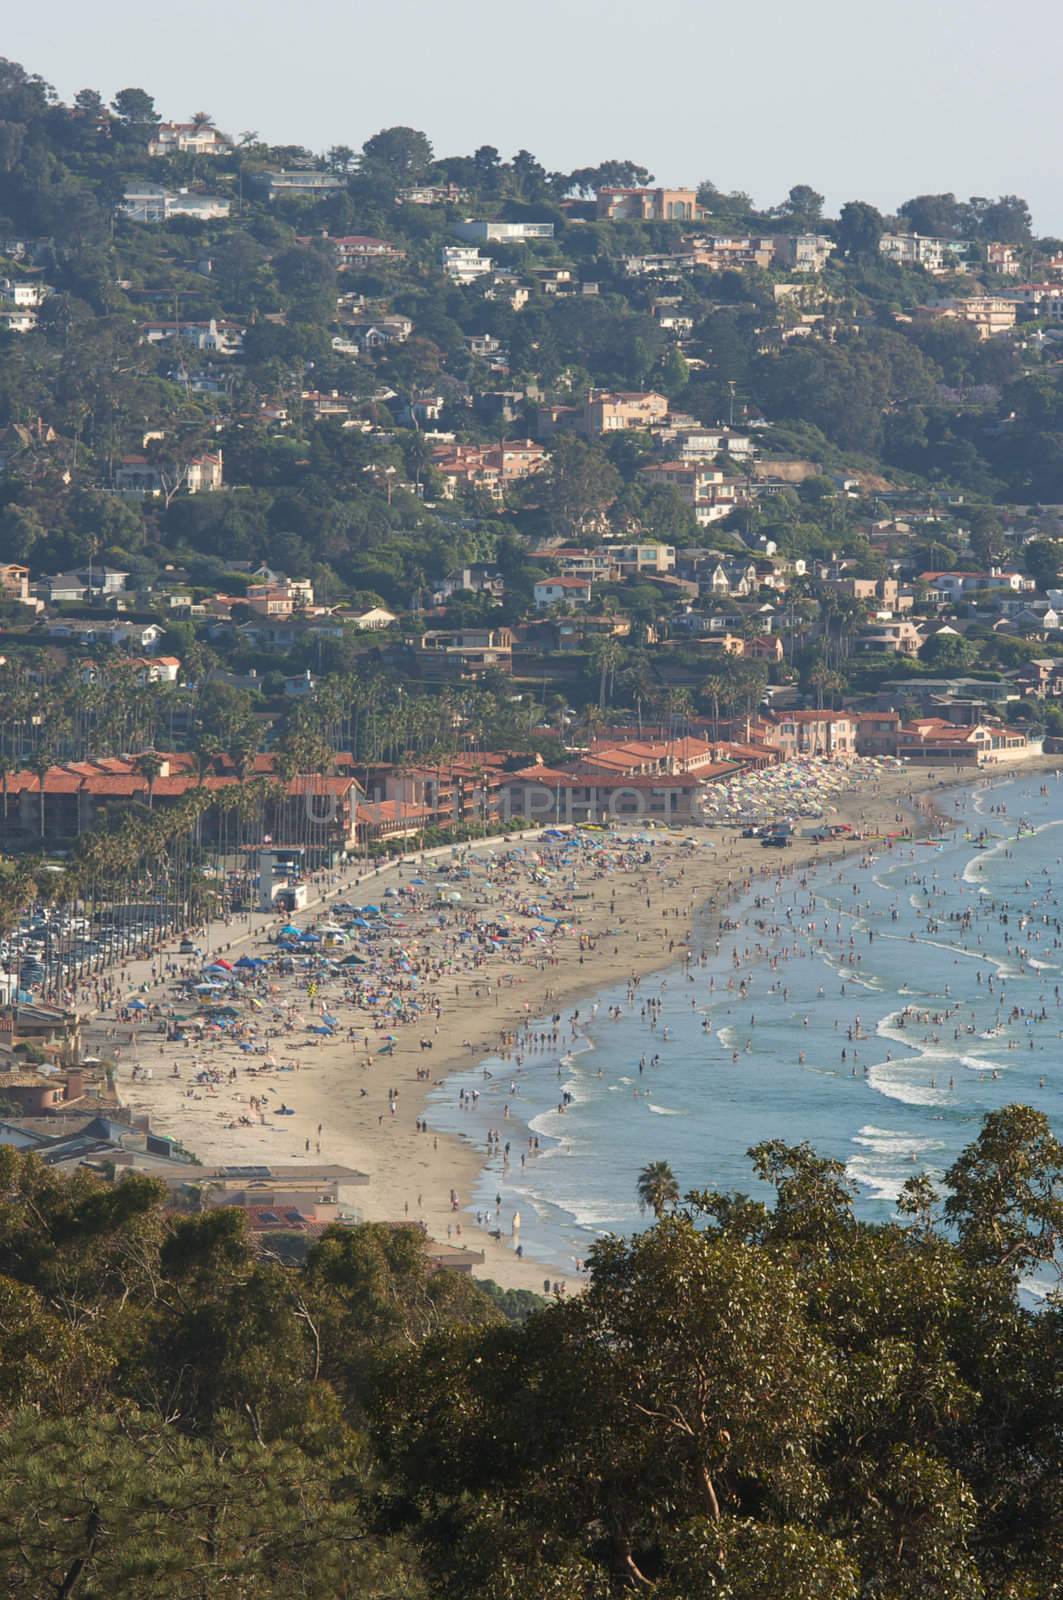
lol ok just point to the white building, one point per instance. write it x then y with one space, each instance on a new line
308 184
464 263
138 476
187 138
223 338
148 202
20 294
373 620
922 250
702 444
18 319
503 232
1038 299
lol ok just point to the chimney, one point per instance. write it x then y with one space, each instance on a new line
75 1084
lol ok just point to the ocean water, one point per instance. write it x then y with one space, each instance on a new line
877 1007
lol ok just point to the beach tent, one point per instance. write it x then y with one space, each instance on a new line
137 1005
221 962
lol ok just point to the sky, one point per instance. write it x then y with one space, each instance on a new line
863 99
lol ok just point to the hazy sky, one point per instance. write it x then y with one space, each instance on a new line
869 99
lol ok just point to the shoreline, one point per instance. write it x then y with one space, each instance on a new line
412 1174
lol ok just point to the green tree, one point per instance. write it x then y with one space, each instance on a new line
937 215
948 652
802 209
581 484
401 155
860 227
1006 1191
1043 560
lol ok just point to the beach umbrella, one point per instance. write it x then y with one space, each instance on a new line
221 962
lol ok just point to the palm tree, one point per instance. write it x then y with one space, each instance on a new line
7 767
714 687
657 1188
40 765
149 766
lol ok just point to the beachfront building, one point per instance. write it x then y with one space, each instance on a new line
812 733
931 740
67 800
659 779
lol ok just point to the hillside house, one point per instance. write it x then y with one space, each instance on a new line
187 138
564 591
149 202
647 205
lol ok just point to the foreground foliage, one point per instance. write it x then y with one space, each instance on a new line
746 1404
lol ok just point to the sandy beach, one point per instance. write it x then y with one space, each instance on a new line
514 931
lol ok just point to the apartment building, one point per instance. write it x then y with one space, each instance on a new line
488 468
718 253
922 250
988 314
707 491
463 263
614 411
1037 299
802 252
